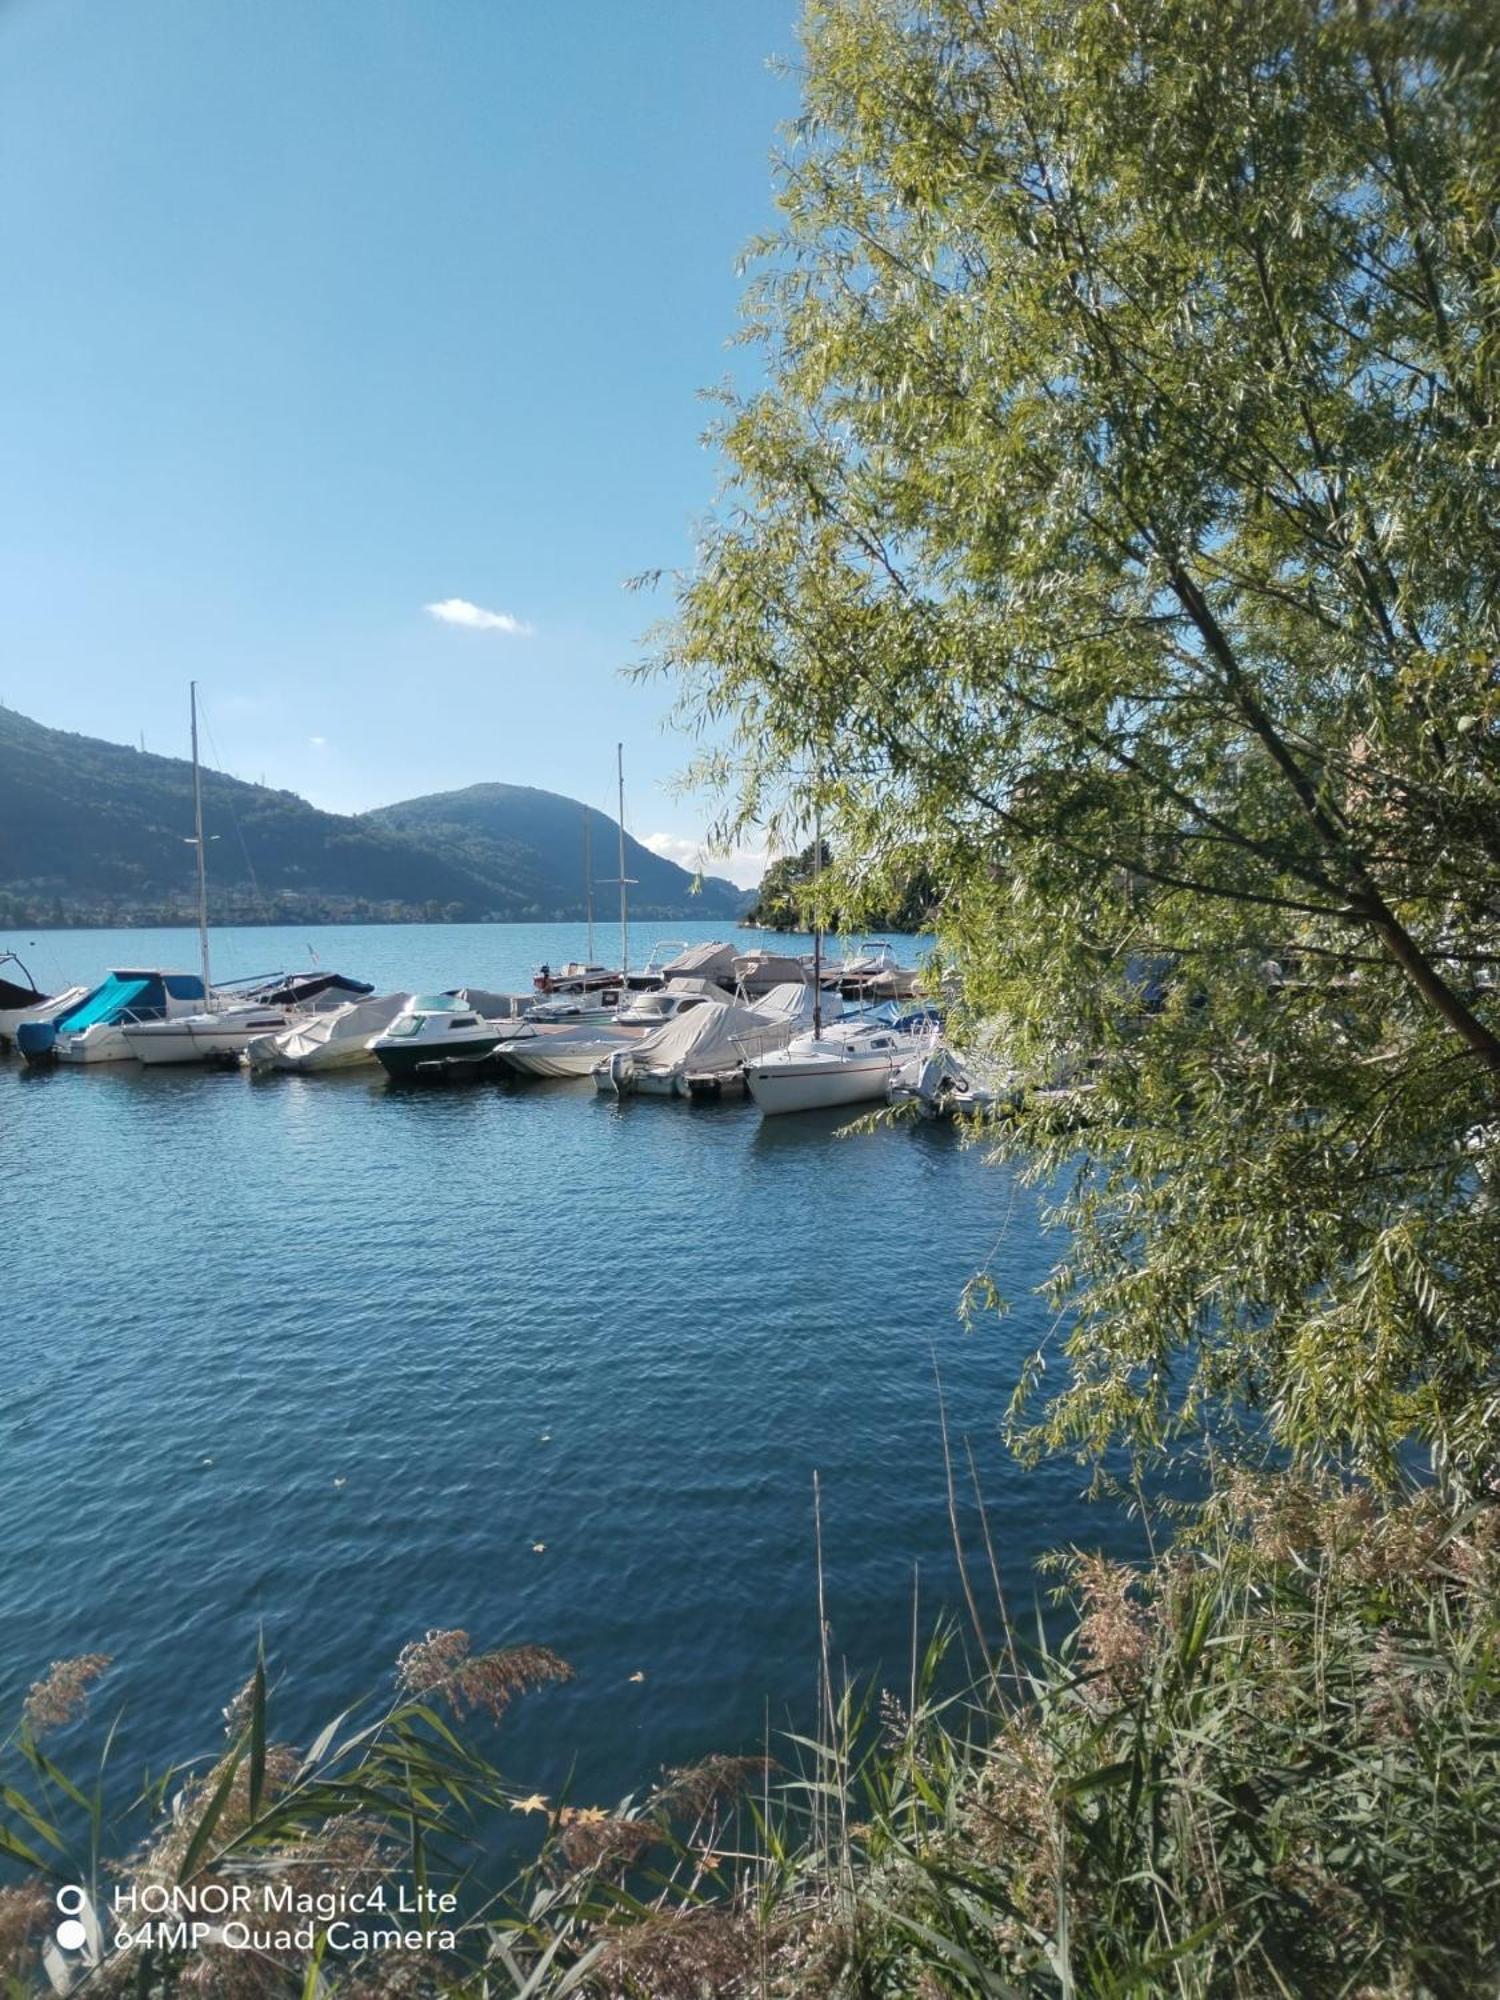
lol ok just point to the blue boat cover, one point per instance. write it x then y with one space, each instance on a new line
112 1001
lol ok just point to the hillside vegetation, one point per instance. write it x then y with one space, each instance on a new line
96 833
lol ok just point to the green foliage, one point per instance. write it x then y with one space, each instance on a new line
1115 538
93 832
784 901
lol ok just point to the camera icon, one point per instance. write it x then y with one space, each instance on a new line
71 1934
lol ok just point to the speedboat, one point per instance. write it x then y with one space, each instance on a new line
848 1062
435 1038
654 1010
339 1039
28 1003
94 1028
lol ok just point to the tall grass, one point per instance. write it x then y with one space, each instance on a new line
1265 1763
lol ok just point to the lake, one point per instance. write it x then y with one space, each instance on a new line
338 1362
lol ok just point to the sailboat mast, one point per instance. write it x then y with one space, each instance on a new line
198 843
817 921
624 887
588 882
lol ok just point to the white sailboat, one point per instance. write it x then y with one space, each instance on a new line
548 1050
220 1028
849 1062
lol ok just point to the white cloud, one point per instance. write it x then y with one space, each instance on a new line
474 617
744 866
318 742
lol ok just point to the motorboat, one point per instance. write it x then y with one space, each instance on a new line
873 972
654 1010
301 990
337 1039
435 1038
937 1083
28 1003
577 980
704 1050
93 1029
757 972
561 1051
714 961
576 1009
845 1062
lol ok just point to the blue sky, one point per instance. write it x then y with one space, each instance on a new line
322 312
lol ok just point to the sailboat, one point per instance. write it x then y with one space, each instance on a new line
562 1050
850 1062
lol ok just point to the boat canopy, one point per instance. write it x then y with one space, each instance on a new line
300 987
138 996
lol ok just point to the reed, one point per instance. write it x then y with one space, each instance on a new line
1265 1762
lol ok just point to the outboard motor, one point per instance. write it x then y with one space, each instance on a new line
621 1069
37 1041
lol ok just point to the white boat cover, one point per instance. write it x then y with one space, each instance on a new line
717 1035
760 971
494 1006
328 1040
793 1004
703 961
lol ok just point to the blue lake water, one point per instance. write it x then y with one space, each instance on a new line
322 1358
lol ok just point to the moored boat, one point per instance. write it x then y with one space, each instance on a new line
434 1039
337 1039
713 1041
28 1003
563 1051
93 1029
848 1062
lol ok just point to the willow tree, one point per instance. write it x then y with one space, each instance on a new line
1117 534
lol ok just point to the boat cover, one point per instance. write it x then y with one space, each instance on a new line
706 1037
122 993
703 961
792 1003
12 995
769 968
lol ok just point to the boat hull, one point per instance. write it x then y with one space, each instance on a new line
431 1062
92 1045
823 1084
183 1042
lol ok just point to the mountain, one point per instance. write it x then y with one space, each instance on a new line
533 841
96 833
